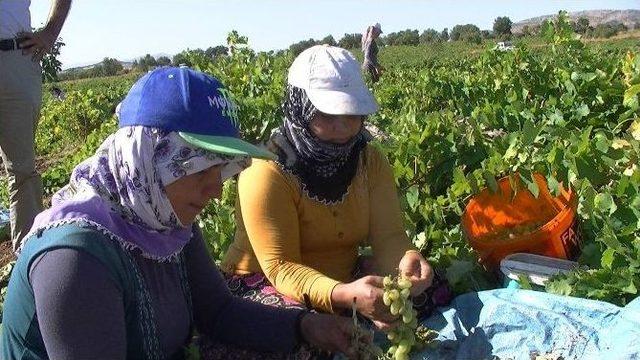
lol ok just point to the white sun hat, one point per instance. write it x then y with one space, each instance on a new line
332 79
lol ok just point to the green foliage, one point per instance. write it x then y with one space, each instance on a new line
582 25
5 273
457 117
300 46
145 63
502 26
164 61
350 41
181 59
51 66
607 30
468 32
444 35
430 36
108 67
405 37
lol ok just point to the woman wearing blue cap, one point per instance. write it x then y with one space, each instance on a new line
115 269
302 217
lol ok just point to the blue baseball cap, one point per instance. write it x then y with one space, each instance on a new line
193 104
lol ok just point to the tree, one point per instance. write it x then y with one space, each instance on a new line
329 40
429 36
216 51
502 26
582 25
486 34
180 59
109 67
444 35
301 46
146 63
163 61
236 42
604 31
405 37
609 29
468 32
350 41
636 26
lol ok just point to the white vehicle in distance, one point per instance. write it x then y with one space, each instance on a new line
504 46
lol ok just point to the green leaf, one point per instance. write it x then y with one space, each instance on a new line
604 202
602 143
631 288
412 197
634 129
582 111
524 282
569 86
559 287
458 271
420 240
512 151
527 177
554 185
491 181
529 132
607 258
460 184
588 168
630 96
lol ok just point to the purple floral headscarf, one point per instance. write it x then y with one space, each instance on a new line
120 190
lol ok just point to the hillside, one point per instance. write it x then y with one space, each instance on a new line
628 17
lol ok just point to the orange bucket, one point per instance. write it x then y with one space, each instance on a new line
499 224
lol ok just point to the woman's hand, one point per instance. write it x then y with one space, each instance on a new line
368 294
329 332
417 270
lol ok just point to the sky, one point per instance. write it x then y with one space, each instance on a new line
128 29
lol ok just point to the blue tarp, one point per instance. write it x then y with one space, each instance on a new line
4 217
4 223
515 324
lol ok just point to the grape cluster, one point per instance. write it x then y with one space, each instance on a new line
396 297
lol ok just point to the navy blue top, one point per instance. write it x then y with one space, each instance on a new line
78 302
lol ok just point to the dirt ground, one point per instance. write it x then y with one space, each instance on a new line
6 253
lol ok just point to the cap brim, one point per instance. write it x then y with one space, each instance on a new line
226 145
342 103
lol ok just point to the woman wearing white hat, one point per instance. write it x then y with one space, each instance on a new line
302 217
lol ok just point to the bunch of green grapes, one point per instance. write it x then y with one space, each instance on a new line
396 296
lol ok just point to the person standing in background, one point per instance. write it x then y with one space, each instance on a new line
20 102
370 51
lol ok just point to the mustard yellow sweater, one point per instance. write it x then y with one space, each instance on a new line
306 247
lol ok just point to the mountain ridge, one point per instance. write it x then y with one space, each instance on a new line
628 17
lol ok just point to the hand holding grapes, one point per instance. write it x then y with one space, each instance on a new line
415 268
368 293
